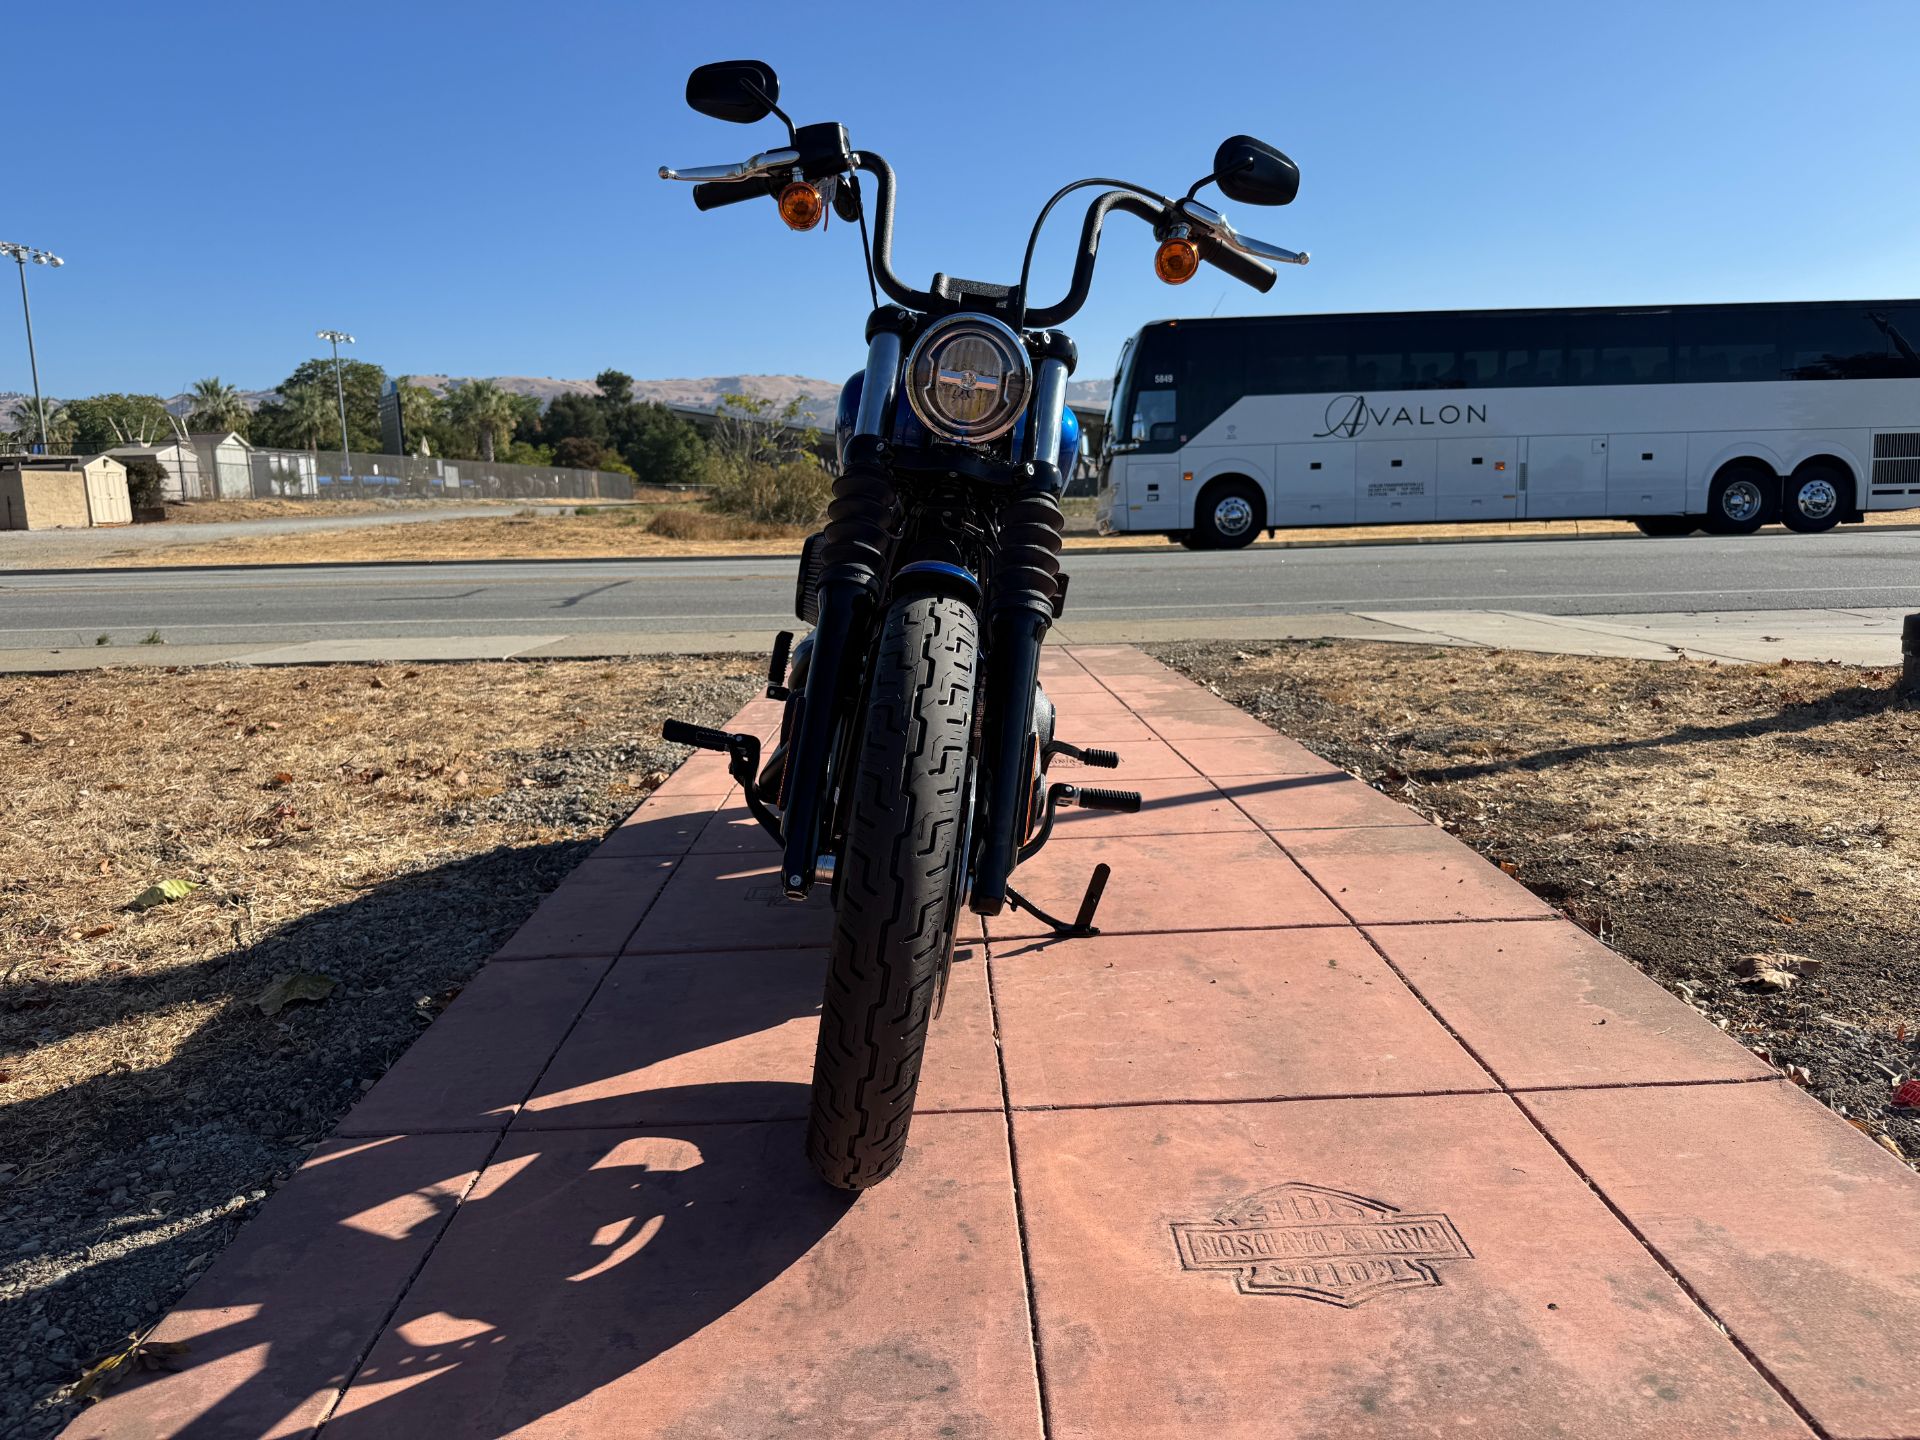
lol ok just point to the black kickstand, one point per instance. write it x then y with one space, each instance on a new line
1082 927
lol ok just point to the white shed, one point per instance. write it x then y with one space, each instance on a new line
185 479
226 464
107 502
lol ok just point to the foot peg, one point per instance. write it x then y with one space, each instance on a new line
1099 759
743 762
1126 802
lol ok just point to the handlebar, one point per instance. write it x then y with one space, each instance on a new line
715 193
1220 245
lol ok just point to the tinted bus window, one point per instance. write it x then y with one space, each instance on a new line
1728 345
1633 349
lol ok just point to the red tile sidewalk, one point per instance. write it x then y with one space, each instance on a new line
1335 1131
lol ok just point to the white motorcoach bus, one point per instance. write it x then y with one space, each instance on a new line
1722 417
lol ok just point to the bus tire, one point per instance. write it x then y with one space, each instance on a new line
1229 515
1187 540
1814 497
1740 499
1666 527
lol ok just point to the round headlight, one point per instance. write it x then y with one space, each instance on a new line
968 378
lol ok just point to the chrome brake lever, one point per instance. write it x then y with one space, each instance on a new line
752 169
1221 229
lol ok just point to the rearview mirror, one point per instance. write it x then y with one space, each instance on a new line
742 91
1252 173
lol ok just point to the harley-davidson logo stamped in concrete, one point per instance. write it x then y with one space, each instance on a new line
1319 1244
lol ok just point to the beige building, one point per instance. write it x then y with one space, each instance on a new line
56 492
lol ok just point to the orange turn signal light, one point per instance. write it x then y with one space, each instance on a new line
1176 261
800 206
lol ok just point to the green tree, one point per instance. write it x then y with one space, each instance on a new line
145 479
423 415
274 424
217 406
482 415
662 448
616 389
101 422
25 431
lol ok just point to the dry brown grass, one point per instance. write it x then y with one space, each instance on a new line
280 792
1688 812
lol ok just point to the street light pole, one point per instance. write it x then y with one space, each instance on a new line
20 254
338 337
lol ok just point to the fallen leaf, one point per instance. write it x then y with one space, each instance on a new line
105 867
280 778
162 893
284 990
27 737
376 683
96 932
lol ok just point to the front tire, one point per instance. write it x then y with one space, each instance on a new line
897 890
1229 515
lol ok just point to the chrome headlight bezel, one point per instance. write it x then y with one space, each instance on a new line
968 378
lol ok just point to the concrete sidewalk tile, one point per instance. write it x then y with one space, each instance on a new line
1240 1271
1109 728
1167 807
1106 660
1073 681
730 1037
1088 714
1547 1004
1268 754
474 1065
732 902
1226 723
275 1327
1163 691
1236 1015
702 1282
664 825
1249 883
1139 760
704 772
681 1040
593 911
1325 800
1800 1234
1399 873
734 831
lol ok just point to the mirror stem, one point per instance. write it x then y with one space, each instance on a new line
1206 180
761 95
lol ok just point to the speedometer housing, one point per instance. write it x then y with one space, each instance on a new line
968 378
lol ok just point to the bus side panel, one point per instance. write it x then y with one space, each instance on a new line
1151 497
1394 480
1478 479
1646 475
1566 476
1312 485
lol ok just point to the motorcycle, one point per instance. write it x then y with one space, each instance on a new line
912 769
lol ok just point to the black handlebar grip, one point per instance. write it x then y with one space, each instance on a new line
1257 273
701 737
1127 802
715 193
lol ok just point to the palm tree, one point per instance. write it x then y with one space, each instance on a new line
310 410
217 406
483 410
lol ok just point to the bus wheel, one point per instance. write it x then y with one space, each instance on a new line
1737 501
1666 527
1187 540
1810 500
1230 513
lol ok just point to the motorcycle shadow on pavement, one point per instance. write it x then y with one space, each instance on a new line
584 1250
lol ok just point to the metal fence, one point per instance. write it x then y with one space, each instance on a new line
327 474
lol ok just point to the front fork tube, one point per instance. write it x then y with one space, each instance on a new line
1025 582
857 537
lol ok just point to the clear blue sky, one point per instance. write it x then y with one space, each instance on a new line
470 187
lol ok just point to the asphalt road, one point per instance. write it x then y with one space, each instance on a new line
1772 571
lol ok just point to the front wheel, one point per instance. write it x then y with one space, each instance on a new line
1229 515
1738 500
897 890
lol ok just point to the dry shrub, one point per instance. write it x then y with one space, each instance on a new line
793 492
706 525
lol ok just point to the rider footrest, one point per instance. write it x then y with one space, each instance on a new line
1087 755
1127 802
701 737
